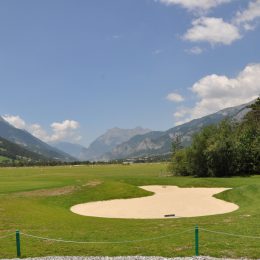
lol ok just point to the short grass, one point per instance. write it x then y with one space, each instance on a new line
28 202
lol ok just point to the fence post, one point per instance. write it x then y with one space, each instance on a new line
197 240
18 244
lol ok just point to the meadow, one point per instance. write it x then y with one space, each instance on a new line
37 200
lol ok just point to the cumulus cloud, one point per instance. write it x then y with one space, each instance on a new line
60 131
215 30
216 92
197 6
182 112
212 30
248 15
16 121
174 97
65 125
64 130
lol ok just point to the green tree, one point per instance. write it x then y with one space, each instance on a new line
226 149
198 158
220 151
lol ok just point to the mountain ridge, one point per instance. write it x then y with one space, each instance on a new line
159 142
30 142
110 139
13 152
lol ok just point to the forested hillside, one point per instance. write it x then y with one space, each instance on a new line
30 142
11 153
227 149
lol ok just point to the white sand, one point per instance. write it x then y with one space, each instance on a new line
183 202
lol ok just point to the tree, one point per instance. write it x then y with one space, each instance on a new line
220 151
226 149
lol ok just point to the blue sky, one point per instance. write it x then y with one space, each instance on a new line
70 70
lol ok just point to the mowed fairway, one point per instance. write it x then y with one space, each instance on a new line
37 201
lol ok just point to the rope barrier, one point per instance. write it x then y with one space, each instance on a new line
196 244
104 242
228 234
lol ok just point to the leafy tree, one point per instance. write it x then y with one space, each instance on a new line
220 152
226 149
248 142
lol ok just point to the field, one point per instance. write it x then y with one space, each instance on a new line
37 200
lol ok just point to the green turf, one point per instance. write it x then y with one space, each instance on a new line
49 216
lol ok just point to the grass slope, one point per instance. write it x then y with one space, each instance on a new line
37 201
10 151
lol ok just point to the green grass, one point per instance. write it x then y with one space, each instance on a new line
3 158
49 216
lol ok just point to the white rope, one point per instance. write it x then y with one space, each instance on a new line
229 234
7 236
102 242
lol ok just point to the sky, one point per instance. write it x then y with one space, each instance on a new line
70 70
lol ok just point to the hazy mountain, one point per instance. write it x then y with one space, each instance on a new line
158 143
30 142
75 150
110 140
12 151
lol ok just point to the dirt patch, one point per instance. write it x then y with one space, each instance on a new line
48 192
92 183
57 191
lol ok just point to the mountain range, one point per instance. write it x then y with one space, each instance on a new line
115 144
119 143
13 152
159 142
102 145
31 143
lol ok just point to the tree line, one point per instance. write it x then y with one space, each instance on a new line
227 149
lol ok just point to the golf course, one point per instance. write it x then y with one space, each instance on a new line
37 201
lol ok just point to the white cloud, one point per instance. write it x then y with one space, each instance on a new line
182 112
174 97
16 121
216 92
196 5
195 50
62 131
249 27
38 131
65 125
248 15
215 30
212 30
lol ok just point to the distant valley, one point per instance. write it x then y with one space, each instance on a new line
102 145
115 144
122 143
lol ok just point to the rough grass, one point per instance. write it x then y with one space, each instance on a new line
48 215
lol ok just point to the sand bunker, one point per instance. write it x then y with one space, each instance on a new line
167 200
